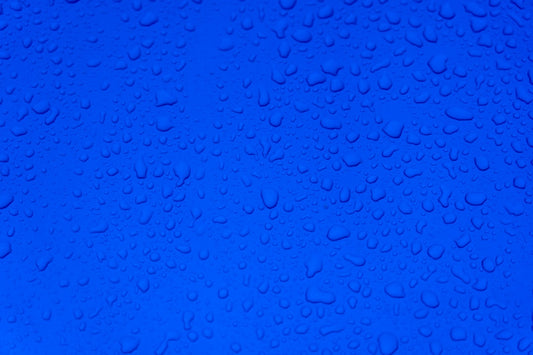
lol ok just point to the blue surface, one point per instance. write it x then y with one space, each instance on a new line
266 177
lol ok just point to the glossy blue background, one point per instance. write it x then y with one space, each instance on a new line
266 177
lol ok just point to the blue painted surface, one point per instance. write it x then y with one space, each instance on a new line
266 177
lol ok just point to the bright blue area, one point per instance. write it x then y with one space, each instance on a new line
266 177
